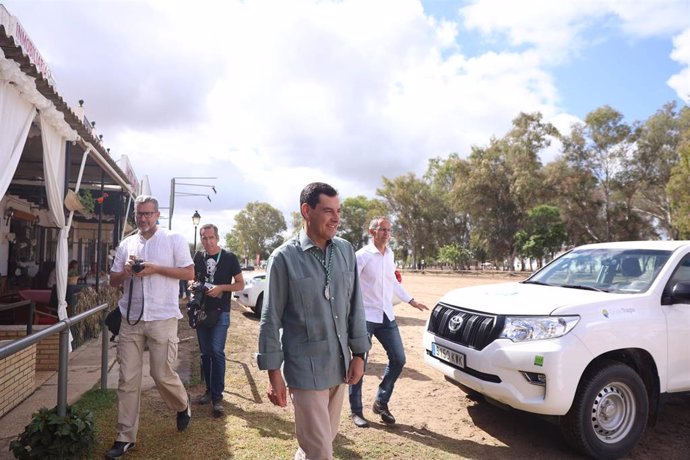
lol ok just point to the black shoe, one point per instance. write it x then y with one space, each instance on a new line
119 449
382 410
218 409
184 416
204 399
359 421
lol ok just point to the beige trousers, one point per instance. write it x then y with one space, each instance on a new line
317 417
162 340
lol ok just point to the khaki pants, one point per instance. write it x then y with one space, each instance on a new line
162 340
317 417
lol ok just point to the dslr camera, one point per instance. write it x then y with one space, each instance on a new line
195 306
138 265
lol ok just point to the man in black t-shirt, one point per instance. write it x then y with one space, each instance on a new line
221 272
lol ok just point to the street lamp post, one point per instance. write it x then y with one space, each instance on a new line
196 218
174 193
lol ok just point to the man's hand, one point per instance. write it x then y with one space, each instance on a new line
355 371
276 393
418 305
216 291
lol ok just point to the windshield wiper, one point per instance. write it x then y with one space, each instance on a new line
540 283
582 286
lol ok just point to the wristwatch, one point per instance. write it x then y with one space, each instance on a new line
358 355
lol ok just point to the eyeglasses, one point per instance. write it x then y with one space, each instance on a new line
147 214
385 230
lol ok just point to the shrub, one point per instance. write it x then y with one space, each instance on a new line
51 437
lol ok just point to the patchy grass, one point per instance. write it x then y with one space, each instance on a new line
252 427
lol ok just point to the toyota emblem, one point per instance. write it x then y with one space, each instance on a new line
455 323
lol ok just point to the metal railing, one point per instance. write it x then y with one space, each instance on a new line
62 327
23 303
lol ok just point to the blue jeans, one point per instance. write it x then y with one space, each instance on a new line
212 346
388 335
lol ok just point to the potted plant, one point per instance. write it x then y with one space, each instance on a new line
82 202
87 200
49 436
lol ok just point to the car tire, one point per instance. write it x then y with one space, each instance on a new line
609 413
259 305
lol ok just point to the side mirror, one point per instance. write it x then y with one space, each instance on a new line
681 292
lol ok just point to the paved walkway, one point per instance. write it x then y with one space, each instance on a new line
84 374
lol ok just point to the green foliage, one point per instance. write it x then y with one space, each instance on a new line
232 243
87 200
543 234
297 222
355 215
413 207
454 255
258 228
49 436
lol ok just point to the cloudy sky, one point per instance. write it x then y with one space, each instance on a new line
268 96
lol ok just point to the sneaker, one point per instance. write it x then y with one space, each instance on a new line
119 449
359 421
218 409
204 398
382 410
184 416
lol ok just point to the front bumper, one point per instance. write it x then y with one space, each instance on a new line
497 371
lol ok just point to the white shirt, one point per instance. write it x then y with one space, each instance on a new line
378 283
159 292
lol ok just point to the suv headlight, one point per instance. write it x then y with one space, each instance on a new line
524 328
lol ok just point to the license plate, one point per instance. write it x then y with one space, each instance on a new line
445 354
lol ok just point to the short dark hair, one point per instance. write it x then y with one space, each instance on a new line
211 226
311 194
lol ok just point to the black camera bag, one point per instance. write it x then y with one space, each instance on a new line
113 320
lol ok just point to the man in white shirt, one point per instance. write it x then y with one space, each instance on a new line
148 265
378 283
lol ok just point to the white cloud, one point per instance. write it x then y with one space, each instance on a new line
270 95
680 82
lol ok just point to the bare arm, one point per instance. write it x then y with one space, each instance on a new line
219 289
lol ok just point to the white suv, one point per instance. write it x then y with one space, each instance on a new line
596 338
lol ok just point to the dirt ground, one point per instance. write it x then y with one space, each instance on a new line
435 418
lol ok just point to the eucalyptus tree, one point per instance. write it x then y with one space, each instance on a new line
297 222
453 221
678 190
542 235
602 147
258 228
355 215
656 159
412 206
503 181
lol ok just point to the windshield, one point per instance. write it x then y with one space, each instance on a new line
611 270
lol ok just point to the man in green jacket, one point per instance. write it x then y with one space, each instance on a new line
313 295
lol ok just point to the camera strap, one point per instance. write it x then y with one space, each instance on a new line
129 301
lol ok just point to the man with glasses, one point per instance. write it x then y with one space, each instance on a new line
378 282
148 265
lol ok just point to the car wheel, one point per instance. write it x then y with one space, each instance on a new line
609 413
259 305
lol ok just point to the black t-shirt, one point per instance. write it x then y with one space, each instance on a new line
217 269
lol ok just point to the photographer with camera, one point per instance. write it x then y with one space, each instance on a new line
217 275
148 265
